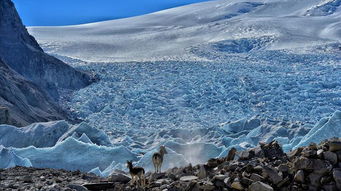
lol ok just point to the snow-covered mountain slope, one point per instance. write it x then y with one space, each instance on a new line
167 34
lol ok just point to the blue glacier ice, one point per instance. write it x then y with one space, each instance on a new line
9 159
326 128
37 134
75 155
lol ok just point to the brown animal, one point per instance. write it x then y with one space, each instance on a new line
137 174
231 154
158 159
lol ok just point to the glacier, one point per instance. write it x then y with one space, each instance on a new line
199 79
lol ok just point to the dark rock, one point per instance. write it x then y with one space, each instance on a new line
299 176
218 181
337 177
334 146
231 154
27 179
256 177
331 157
283 168
285 181
273 150
295 153
314 179
271 174
316 165
326 180
119 178
329 187
212 163
309 153
246 181
260 186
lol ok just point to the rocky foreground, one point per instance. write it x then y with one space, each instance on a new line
265 168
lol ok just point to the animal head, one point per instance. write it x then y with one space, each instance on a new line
129 164
163 149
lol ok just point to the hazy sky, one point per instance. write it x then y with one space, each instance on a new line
67 12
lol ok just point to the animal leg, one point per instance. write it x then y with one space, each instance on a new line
160 168
155 167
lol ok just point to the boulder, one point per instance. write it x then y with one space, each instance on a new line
331 157
314 179
260 186
299 176
273 150
237 186
271 173
121 178
334 146
77 187
188 178
256 177
337 177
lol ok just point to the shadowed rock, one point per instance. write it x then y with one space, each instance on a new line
22 101
22 53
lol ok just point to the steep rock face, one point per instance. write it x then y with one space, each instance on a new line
22 53
22 102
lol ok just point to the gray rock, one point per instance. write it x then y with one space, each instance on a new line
77 187
273 150
337 177
316 165
283 168
27 179
207 186
330 156
188 178
256 177
314 179
260 186
334 146
119 178
202 172
329 187
271 174
219 180
299 176
237 186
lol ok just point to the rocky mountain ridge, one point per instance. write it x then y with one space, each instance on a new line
30 79
22 101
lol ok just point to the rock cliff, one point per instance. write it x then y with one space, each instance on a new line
21 52
22 102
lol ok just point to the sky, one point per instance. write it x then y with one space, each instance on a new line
69 12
